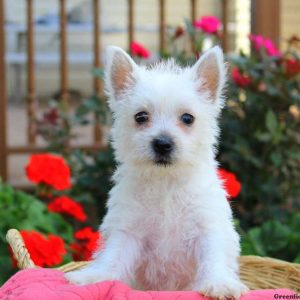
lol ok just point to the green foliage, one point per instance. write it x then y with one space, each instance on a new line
22 211
274 239
92 172
57 124
260 139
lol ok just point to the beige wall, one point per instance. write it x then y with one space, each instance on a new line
289 20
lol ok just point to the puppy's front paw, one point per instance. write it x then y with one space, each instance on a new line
85 276
223 288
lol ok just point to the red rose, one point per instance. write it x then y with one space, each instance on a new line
49 169
44 251
208 24
292 67
230 183
139 50
259 42
68 206
271 48
87 243
240 79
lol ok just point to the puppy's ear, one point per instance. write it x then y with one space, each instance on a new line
120 72
210 73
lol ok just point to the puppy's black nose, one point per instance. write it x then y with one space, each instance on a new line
163 145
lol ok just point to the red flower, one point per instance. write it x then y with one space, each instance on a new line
292 67
139 50
208 24
259 42
87 242
178 32
68 206
49 169
240 79
51 116
271 48
44 251
230 183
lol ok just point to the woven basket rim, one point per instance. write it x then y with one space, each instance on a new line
257 272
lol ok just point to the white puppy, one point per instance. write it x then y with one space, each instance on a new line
168 225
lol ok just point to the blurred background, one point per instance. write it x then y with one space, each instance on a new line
52 101
273 19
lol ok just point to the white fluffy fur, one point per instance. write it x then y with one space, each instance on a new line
167 227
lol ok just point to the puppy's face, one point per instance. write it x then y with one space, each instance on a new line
164 116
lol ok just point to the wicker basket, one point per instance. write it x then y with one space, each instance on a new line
256 272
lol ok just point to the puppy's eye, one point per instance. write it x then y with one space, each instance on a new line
187 119
141 117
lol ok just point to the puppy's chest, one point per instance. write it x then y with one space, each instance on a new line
165 241
168 260
166 225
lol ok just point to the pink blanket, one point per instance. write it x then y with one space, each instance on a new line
46 284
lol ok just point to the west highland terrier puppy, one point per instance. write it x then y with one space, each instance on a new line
168 225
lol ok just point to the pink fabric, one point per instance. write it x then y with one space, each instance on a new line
46 284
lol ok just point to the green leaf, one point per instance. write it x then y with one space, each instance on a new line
97 72
297 259
256 241
272 90
276 158
263 136
271 121
189 27
22 211
275 235
294 155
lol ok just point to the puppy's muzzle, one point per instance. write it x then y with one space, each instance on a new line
163 146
